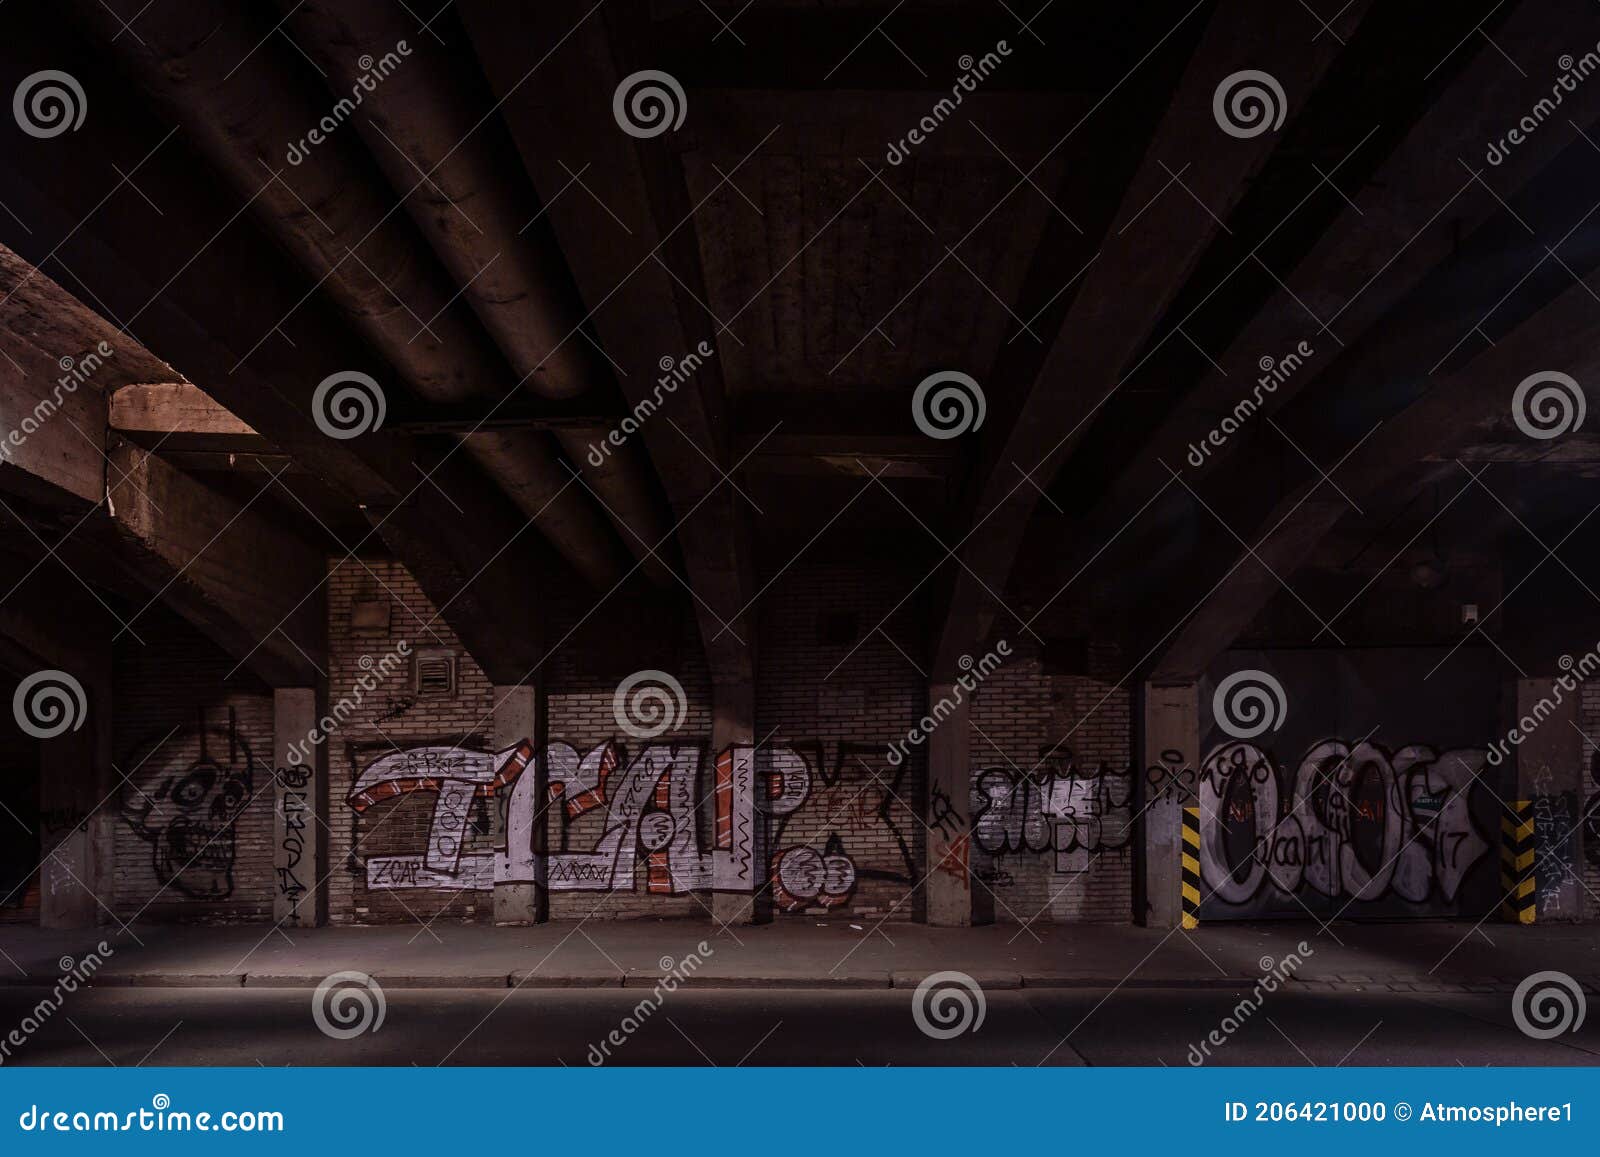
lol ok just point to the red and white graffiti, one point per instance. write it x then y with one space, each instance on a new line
649 807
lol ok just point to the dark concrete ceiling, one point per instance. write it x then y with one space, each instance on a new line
1078 236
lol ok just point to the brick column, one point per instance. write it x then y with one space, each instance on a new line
518 716
299 811
949 871
1171 747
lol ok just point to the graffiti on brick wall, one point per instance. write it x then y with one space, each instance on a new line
1353 822
1591 812
853 827
1057 812
455 777
664 819
192 786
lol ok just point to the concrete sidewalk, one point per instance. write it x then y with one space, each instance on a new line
1422 957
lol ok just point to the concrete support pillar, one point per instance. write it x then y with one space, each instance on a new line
67 879
1550 774
733 725
949 871
72 872
74 775
299 811
1171 745
518 716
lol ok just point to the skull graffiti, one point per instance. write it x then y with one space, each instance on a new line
187 805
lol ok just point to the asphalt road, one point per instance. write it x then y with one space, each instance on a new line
232 1026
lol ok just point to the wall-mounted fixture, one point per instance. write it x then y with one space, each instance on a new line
433 673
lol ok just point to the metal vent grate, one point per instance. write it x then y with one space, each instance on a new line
433 674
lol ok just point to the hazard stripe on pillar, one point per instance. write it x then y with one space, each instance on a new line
1520 905
1190 875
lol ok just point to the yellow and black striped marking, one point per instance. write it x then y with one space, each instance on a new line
1191 868
1516 864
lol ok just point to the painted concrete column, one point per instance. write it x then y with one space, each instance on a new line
74 775
299 810
71 868
949 873
733 726
518 716
1171 746
1550 775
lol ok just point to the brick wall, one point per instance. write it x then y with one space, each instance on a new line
591 654
835 687
589 657
831 687
1589 796
389 719
1051 794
